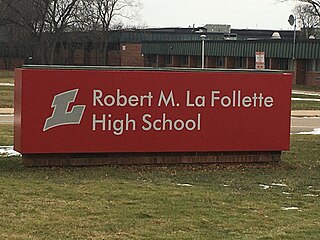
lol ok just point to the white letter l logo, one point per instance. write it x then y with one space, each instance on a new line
60 115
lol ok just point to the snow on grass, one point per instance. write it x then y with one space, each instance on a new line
7 151
315 131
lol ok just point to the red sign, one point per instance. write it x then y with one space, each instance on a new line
100 111
260 60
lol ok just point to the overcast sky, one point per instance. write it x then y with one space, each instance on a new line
253 14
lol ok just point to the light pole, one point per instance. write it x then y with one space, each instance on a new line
203 38
293 22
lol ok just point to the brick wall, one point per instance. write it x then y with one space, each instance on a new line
78 56
131 54
251 63
299 77
273 63
160 60
176 61
94 57
210 62
114 58
151 61
313 79
192 62
230 62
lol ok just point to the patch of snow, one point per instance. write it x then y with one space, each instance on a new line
7 84
184 185
306 93
226 185
286 193
290 208
264 186
7 151
317 118
315 131
279 184
311 195
306 99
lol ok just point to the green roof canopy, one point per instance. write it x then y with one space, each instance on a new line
309 49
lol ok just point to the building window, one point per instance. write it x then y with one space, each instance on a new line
220 62
168 59
241 62
311 65
113 46
267 63
152 59
290 64
318 65
283 64
199 61
184 60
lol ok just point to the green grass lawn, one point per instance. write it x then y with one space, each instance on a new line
306 88
6 80
164 202
6 76
6 92
305 105
6 96
6 136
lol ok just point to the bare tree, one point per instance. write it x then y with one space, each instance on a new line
47 21
314 3
60 18
307 19
28 17
103 15
43 20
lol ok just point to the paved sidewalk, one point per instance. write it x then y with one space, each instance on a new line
305 113
310 93
6 110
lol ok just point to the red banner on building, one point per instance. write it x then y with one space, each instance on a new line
100 111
